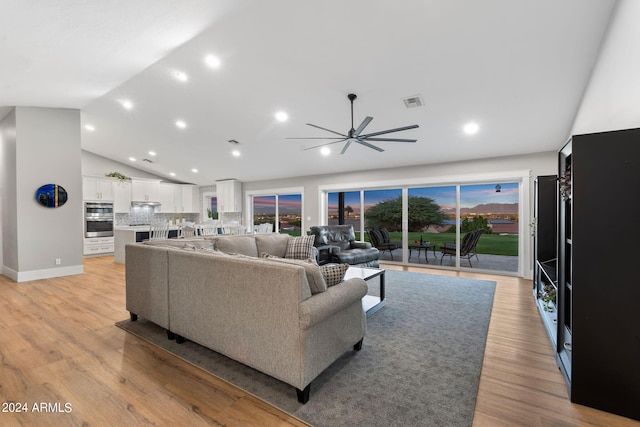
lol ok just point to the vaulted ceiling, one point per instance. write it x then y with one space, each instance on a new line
518 69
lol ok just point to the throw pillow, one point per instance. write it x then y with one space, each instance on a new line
333 273
311 269
300 247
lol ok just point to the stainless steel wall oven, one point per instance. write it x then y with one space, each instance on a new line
98 219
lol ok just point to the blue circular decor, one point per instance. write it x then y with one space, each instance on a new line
51 195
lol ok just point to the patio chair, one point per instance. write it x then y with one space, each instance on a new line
381 240
467 247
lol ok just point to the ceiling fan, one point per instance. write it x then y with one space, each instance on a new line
355 135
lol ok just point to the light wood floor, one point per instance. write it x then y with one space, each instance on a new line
59 346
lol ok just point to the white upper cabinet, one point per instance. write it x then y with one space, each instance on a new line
167 197
189 199
122 196
97 188
229 194
178 198
143 190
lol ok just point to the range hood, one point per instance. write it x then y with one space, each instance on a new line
133 204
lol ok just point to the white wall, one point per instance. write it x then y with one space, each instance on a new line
93 164
612 98
538 164
47 151
8 191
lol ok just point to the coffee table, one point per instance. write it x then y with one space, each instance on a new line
370 303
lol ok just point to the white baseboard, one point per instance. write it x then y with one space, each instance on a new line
47 273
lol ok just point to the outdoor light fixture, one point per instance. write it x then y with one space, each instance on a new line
498 188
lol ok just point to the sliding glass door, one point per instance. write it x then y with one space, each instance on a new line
454 226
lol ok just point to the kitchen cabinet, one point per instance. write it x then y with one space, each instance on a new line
189 198
98 245
229 194
167 197
122 197
97 188
143 190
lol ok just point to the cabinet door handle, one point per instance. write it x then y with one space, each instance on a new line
567 346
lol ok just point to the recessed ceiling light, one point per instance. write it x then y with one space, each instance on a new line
235 153
128 105
194 170
325 151
281 116
152 153
179 75
471 128
133 159
181 124
172 173
212 61
89 127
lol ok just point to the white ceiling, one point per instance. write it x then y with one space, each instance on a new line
517 67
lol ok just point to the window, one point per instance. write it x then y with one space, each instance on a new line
430 222
283 210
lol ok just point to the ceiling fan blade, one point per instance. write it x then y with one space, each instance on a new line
366 144
328 143
344 149
390 139
363 125
319 137
382 132
328 130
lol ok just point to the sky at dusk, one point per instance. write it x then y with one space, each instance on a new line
288 203
470 196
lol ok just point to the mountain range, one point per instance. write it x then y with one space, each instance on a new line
488 208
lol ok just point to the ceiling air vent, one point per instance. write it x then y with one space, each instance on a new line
413 101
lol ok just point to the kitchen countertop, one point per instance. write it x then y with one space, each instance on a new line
139 227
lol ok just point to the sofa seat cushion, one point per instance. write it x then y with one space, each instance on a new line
356 256
272 243
315 278
245 245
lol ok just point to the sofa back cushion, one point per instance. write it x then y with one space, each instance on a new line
314 275
245 245
272 243
181 243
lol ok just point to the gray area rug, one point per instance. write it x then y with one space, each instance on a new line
419 366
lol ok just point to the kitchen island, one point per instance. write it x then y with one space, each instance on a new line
132 234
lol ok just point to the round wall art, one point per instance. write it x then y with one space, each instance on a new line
51 195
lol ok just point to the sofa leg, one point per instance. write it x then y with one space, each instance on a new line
179 339
358 346
303 395
133 316
170 335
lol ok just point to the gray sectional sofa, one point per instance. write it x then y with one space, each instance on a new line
261 312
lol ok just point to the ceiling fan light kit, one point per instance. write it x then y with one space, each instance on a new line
355 135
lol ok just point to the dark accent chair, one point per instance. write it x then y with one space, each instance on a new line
337 243
467 247
381 240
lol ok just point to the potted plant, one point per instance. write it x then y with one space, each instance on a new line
119 176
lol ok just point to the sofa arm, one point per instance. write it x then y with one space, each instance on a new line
360 245
323 305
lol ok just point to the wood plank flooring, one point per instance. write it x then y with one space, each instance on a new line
59 346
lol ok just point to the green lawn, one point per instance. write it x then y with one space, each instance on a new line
493 244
